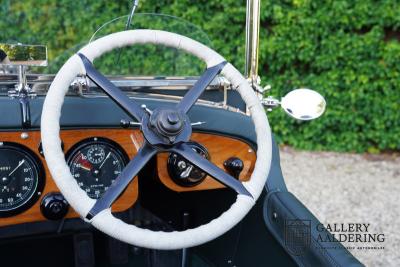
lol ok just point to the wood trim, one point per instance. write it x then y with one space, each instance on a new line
70 138
220 149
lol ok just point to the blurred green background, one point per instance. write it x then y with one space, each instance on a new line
349 51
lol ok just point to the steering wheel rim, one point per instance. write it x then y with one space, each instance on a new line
103 219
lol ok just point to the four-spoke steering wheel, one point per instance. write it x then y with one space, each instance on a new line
164 129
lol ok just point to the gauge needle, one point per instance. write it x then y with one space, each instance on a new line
16 168
108 155
85 168
84 162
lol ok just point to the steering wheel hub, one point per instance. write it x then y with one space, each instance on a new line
166 127
168 123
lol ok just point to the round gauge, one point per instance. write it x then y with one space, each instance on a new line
21 178
95 163
183 172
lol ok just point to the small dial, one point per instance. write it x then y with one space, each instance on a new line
96 154
183 172
95 163
21 179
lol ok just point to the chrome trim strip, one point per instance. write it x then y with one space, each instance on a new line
130 85
41 82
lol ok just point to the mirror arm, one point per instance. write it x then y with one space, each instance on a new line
25 112
23 93
270 103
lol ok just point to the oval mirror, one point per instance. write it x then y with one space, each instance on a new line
303 104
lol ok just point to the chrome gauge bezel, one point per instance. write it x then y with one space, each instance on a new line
41 178
96 141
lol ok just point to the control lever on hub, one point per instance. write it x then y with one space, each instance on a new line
126 124
234 166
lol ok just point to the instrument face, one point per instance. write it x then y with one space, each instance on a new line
21 178
95 163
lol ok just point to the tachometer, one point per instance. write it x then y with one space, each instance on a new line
95 163
21 178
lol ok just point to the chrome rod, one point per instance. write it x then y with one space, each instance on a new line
22 84
252 40
134 6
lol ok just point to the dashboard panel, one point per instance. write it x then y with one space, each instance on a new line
220 149
94 146
31 140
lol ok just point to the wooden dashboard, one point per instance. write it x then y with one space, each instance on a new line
31 139
219 147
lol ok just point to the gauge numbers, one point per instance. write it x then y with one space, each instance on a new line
21 179
95 163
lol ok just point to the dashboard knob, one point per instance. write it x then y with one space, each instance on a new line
234 166
54 206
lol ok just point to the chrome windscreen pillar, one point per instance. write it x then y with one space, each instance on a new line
252 41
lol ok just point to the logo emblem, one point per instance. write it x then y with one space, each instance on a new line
297 236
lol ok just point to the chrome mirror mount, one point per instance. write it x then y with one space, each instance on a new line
20 56
302 104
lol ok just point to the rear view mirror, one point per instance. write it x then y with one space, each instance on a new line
23 55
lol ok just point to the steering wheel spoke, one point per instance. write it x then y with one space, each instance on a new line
122 100
198 88
187 152
145 153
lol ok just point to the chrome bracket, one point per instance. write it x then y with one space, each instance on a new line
270 103
80 85
23 92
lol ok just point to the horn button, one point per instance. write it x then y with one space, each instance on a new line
166 127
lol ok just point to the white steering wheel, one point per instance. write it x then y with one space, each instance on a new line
164 130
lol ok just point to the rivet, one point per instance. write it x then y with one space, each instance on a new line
24 135
275 215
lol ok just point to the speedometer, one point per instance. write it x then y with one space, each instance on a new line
95 163
21 178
